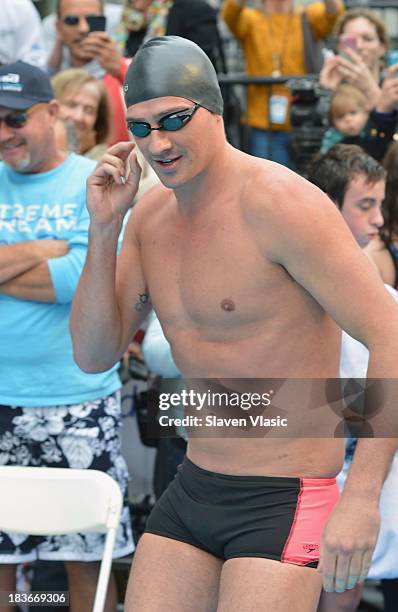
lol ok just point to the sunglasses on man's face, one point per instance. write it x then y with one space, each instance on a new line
18 119
170 123
73 20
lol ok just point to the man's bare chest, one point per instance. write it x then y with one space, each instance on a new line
217 277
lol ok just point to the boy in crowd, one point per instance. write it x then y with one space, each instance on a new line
356 184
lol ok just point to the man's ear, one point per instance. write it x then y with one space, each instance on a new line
53 109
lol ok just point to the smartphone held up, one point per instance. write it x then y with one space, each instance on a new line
96 23
347 41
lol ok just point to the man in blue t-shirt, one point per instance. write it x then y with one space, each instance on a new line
51 413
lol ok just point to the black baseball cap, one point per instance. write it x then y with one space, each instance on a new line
23 85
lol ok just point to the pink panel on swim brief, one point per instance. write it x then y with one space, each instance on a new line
317 499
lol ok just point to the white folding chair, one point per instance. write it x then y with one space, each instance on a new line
55 501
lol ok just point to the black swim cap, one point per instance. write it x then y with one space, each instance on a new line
173 66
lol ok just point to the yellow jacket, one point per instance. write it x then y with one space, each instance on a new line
253 28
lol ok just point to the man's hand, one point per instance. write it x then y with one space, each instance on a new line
101 47
349 539
388 99
113 184
49 249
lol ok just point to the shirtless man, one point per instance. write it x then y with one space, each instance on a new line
242 261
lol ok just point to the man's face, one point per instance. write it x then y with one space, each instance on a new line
72 35
26 149
177 157
362 209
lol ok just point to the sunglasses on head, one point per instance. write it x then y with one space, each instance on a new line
18 119
73 20
170 123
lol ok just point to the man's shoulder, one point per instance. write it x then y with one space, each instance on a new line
73 173
272 187
278 206
79 164
152 202
149 212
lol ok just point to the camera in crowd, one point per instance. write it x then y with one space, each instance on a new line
309 117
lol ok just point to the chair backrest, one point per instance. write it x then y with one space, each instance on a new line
55 501
45 501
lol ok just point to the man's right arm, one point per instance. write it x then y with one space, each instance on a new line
109 304
234 14
15 259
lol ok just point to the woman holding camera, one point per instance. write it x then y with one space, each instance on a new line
362 45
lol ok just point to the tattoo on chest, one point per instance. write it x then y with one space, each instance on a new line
227 305
143 300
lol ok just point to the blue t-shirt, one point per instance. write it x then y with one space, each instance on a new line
36 360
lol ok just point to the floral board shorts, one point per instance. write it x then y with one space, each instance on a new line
85 436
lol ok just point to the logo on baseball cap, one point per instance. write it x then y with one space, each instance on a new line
23 85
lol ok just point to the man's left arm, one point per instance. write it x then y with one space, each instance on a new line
320 253
351 533
35 285
54 280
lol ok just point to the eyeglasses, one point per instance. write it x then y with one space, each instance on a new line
18 119
73 20
170 123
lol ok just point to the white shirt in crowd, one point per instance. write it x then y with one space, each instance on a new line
354 364
21 36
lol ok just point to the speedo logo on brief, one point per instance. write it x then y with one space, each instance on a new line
309 548
10 82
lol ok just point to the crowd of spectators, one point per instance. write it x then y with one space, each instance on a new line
61 107
278 39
